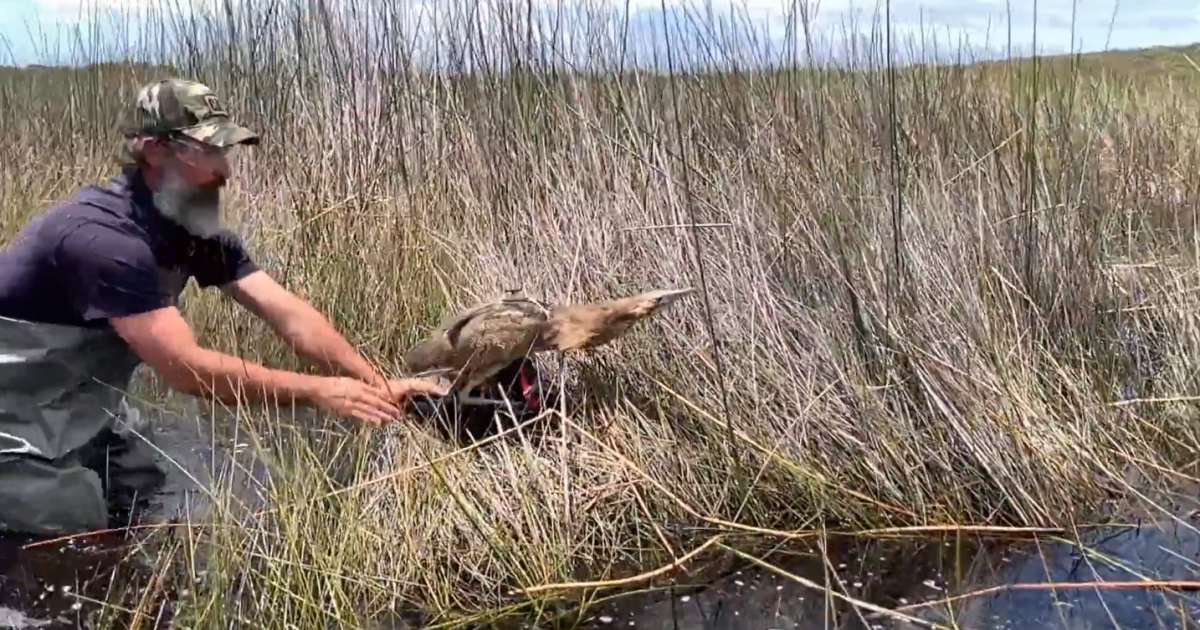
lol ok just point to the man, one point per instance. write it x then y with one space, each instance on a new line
88 290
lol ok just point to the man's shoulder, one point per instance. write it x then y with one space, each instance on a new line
76 237
55 226
94 204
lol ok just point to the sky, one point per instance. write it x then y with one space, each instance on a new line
981 25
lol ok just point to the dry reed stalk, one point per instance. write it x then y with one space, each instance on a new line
627 581
995 387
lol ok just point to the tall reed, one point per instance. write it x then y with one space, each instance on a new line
852 356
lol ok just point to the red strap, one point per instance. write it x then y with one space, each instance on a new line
528 391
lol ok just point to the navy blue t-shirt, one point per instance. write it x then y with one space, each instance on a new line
107 252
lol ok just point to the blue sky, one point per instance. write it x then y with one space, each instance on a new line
982 23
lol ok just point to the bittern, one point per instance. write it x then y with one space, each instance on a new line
481 341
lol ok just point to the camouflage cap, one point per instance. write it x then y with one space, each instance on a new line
186 107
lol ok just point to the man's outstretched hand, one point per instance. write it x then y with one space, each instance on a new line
370 403
345 396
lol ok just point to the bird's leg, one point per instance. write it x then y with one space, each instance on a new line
465 398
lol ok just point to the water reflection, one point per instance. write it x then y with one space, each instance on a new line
59 586
66 586
927 579
98 580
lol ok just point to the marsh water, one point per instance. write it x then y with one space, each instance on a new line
981 575
85 581
66 585
916 577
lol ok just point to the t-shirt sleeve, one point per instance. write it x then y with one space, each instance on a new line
107 273
220 260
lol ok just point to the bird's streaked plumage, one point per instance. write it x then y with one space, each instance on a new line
480 341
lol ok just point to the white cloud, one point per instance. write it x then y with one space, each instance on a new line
65 5
1060 23
977 23
82 9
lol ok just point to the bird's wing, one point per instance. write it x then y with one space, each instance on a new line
494 339
453 327
483 339
439 348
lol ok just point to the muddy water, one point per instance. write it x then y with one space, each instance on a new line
84 582
70 585
60 586
913 576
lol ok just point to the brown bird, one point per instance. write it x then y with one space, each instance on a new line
481 341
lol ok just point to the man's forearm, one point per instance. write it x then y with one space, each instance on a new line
230 379
315 338
302 326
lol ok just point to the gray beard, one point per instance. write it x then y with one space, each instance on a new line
197 210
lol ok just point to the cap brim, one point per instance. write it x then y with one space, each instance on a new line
221 134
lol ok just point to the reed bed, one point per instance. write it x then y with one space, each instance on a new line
924 290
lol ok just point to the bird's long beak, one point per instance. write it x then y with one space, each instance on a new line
670 295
